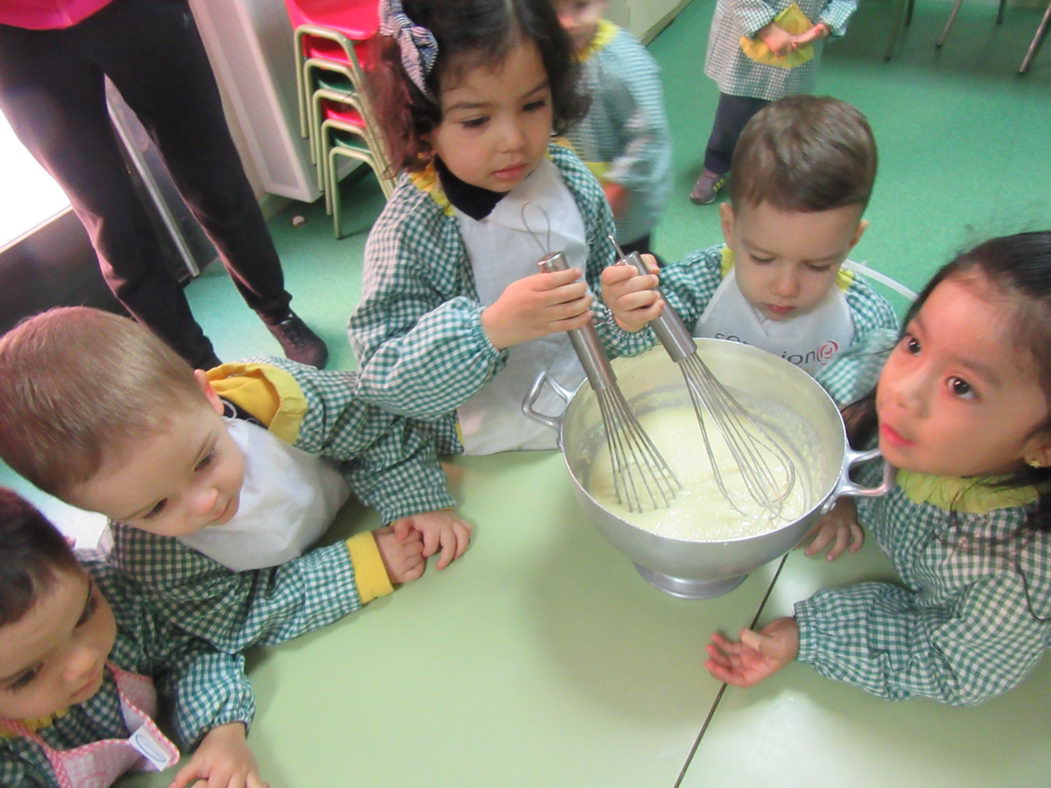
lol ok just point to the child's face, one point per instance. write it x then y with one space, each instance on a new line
496 122
956 398
787 261
580 19
55 655
174 482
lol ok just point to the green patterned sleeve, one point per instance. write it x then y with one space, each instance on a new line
208 688
836 14
418 337
390 461
753 15
689 284
18 771
636 99
877 637
234 610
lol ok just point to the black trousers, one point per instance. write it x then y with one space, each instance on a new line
731 115
52 91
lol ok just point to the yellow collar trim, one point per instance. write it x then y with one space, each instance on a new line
604 33
426 180
33 725
844 277
967 495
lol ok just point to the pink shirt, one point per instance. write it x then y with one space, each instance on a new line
48 14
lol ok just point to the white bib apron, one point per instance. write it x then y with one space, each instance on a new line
288 500
809 341
502 250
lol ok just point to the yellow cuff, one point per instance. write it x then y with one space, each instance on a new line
369 572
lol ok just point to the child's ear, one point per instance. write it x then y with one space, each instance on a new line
863 225
726 220
1037 453
209 392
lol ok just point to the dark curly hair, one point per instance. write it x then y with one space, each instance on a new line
470 33
31 551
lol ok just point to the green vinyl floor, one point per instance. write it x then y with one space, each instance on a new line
541 658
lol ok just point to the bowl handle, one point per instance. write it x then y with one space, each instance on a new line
554 422
847 486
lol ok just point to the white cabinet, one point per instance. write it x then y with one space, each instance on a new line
250 45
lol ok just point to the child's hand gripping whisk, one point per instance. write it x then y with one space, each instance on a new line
767 471
641 478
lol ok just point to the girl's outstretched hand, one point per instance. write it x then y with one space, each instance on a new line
756 655
538 305
222 760
839 528
442 530
631 297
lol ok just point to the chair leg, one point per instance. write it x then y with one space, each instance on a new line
899 12
1038 38
1000 12
297 40
948 24
908 12
333 190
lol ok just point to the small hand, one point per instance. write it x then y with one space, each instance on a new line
756 656
441 529
402 558
631 297
777 39
818 31
222 760
617 196
839 528
537 305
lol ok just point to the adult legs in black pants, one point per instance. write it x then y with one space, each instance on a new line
731 116
52 90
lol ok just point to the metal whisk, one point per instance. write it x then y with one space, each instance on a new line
641 478
768 472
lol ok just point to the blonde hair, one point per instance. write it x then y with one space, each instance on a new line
79 385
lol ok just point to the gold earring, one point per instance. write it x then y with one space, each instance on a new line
1034 463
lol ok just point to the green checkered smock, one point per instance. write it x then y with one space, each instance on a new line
738 75
689 285
204 688
971 617
625 134
391 464
417 332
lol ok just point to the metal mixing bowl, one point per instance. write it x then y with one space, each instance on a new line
694 569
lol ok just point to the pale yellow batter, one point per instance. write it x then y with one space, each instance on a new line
700 512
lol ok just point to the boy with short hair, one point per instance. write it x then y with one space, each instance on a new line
803 173
210 479
624 138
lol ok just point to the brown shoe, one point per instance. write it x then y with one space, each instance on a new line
707 186
299 342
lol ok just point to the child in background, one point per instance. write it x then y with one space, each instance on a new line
804 171
455 322
758 52
80 649
210 478
963 411
624 138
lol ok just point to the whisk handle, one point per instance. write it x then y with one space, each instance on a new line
668 326
585 340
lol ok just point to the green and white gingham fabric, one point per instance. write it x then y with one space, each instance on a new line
970 619
233 610
204 688
737 74
689 285
391 464
627 128
417 332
